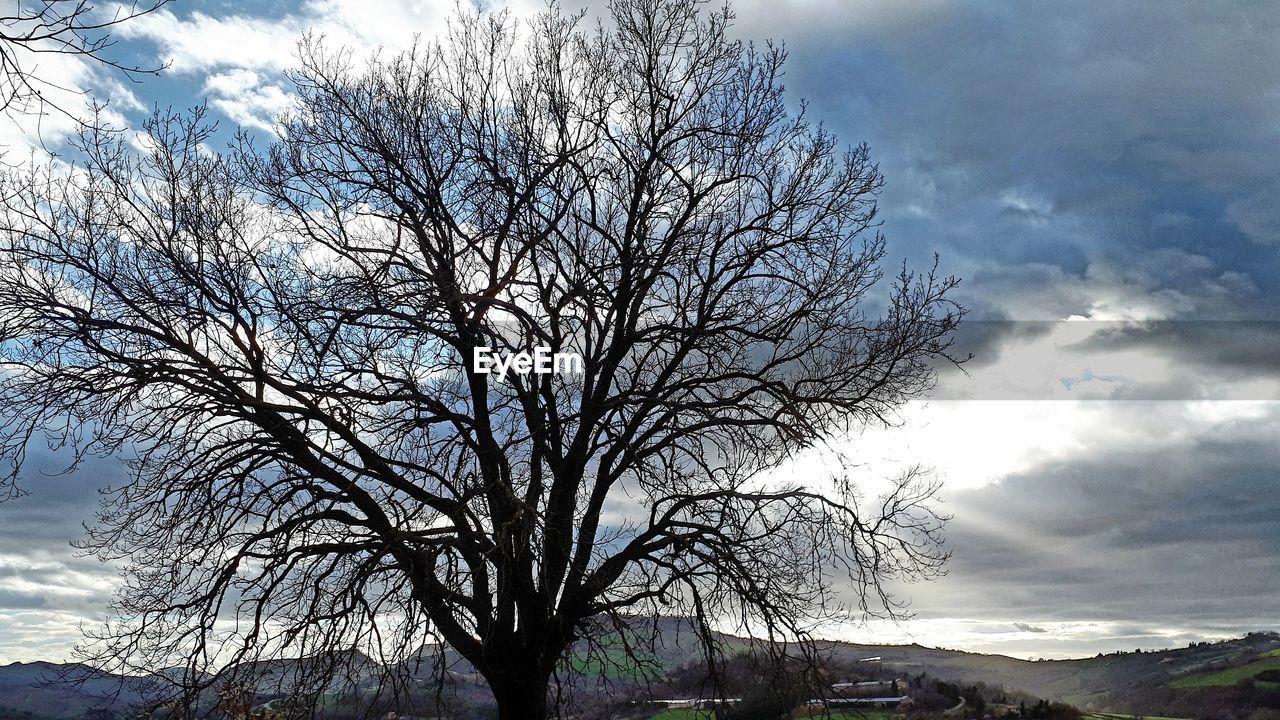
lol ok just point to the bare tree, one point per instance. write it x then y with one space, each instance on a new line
30 31
282 341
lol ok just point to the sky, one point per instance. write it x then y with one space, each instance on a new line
1104 178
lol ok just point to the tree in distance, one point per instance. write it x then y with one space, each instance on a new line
279 340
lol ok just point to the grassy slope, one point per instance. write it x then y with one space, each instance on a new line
682 714
1231 676
1115 716
1123 682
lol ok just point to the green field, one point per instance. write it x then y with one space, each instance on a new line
1114 716
682 714
689 714
1231 676
612 664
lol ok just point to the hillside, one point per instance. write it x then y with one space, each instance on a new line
64 690
1186 682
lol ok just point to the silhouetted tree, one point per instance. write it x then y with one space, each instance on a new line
281 342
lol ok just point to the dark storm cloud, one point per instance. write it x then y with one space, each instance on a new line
1152 360
56 505
1077 137
1246 349
1093 160
982 342
1174 533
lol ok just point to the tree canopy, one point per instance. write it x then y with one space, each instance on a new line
279 339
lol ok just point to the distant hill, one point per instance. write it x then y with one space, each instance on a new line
1184 682
65 690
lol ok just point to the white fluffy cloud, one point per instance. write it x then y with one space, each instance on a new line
243 96
69 86
203 43
243 56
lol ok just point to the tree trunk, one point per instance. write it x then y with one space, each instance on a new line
522 696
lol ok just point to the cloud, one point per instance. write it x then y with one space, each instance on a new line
1244 350
201 43
243 55
1186 529
1258 215
1158 284
1115 360
1046 150
14 600
243 96
46 591
68 86
799 21
1151 525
